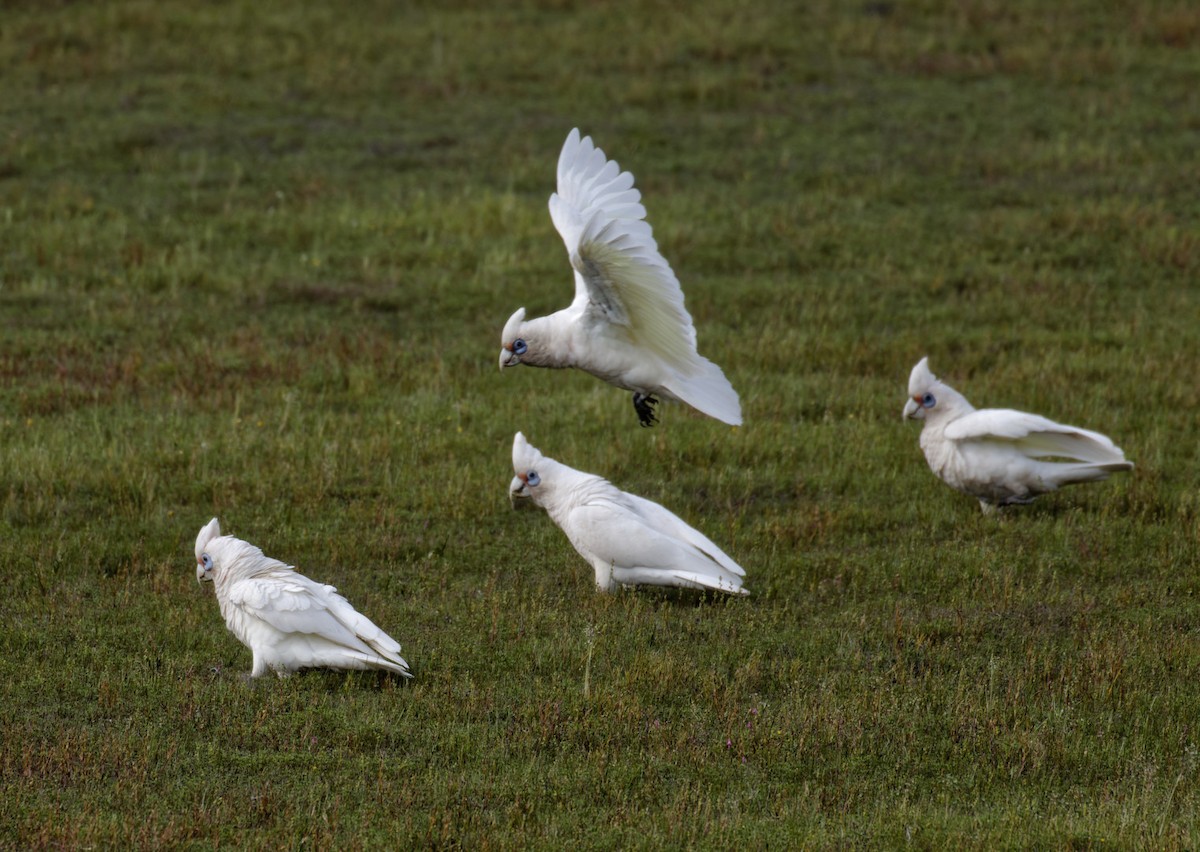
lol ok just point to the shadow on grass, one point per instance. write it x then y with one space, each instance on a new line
661 596
317 680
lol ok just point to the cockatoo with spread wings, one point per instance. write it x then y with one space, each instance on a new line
1000 456
628 540
288 621
627 324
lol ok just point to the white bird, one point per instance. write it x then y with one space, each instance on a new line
627 539
1000 456
288 621
627 324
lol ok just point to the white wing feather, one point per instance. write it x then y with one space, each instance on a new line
619 271
666 521
1036 436
587 180
645 554
622 280
314 616
298 605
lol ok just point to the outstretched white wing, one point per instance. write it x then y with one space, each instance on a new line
620 276
1036 436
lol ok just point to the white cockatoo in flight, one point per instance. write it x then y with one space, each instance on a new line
628 540
288 621
1000 456
627 324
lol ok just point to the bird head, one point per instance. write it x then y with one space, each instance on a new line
513 345
204 559
928 396
529 465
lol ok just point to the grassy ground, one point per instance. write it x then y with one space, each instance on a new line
256 259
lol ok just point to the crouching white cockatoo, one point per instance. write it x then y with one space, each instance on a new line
627 324
288 621
628 540
1000 456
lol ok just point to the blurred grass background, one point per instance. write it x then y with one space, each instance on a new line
256 260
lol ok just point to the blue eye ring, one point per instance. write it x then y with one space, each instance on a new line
206 561
532 478
928 401
519 347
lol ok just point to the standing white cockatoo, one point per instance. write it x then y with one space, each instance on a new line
627 324
998 455
288 621
627 539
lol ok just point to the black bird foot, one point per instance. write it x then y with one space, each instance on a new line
643 404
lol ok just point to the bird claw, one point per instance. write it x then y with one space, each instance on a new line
643 404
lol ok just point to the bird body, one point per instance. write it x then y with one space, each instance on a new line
627 539
1002 456
288 621
627 324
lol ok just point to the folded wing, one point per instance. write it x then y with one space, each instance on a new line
294 604
655 547
1037 437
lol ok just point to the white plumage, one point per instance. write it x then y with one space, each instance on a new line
1000 456
288 621
627 539
627 324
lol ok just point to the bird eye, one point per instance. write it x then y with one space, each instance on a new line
532 478
519 347
206 561
928 401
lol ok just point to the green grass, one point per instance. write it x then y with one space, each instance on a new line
256 260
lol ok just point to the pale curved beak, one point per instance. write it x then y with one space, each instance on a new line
508 358
517 495
201 574
913 409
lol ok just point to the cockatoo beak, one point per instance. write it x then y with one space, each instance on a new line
508 358
517 495
201 574
913 409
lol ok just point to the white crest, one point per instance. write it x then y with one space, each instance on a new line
524 454
210 531
512 328
921 379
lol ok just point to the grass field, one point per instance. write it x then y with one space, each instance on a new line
256 260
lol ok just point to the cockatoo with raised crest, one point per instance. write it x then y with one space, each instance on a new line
288 621
1000 456
628 540
627 324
